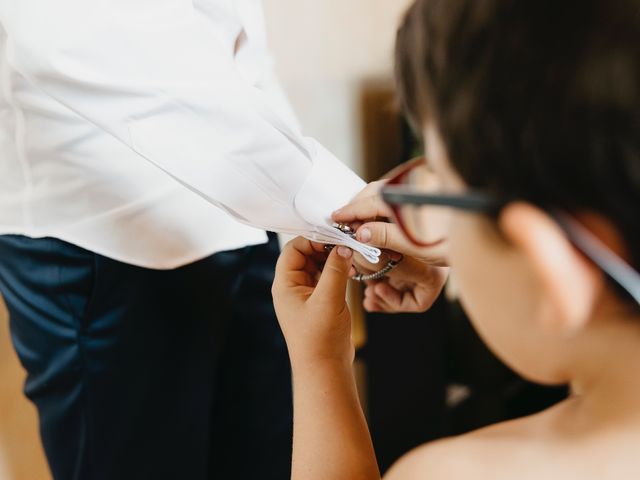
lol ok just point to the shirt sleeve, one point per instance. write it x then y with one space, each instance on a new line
160 76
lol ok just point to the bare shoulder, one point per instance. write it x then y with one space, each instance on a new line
493 452
544 445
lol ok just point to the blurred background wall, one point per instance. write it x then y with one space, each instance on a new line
324 52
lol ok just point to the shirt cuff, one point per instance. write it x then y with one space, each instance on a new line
329 186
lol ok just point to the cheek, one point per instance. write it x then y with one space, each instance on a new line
495 292
478 273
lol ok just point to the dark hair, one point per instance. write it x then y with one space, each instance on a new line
534 99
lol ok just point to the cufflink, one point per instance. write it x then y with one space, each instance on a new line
361 277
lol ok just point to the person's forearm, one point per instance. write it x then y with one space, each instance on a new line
194 116
331 439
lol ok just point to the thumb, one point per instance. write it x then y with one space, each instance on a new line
389 236
382 235
332 285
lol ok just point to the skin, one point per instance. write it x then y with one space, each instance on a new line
538 304
417 281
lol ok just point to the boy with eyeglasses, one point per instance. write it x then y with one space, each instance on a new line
530 113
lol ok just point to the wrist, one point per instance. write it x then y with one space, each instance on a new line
335 351
306 365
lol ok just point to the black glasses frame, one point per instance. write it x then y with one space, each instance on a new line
619 271
397 195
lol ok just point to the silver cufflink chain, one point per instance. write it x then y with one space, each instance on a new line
361 277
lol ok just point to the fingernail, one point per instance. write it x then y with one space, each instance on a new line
344 252
337 212
364 235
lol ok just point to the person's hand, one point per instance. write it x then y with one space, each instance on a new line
371 217
412 287
309 294
415 284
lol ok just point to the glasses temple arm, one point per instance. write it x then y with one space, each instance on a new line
614 266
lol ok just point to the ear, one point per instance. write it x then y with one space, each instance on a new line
571 284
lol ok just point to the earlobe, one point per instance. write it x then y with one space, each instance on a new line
570 284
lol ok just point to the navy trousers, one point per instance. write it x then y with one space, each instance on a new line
145 374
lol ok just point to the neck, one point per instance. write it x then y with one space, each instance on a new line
606 374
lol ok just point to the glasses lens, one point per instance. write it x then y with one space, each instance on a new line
426 224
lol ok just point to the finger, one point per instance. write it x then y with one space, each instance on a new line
355 225
312 266
293 261
372 306
415 300
389 295
315 264
320 258
369 292
362 209
424 299
294 255
382 304
384 235
332 285
298 278
370 303
378 305
318 247
427 296
389 236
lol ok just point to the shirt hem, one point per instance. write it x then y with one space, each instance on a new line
174 263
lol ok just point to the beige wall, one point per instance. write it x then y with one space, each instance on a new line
324 51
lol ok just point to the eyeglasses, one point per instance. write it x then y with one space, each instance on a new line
424 214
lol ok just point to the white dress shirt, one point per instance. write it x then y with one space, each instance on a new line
125 123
